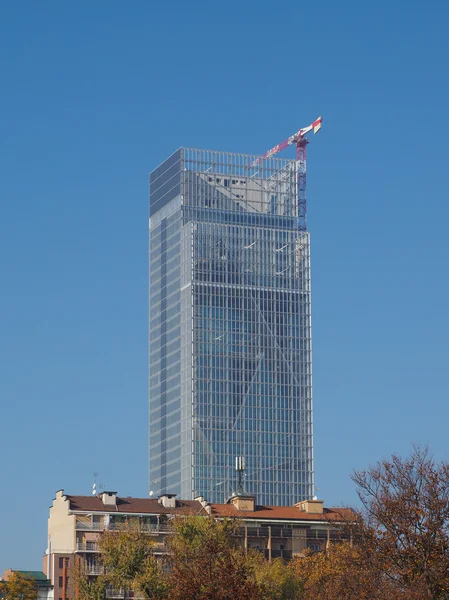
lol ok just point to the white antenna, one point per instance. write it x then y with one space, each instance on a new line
94 486
240 468
239 463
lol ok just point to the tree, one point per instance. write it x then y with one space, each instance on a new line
88 588
129 562
19 587
205 562
275 580
343 573
404 528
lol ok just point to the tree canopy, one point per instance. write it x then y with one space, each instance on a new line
397 547
404 523
19 587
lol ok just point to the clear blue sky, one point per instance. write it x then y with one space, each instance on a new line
96 94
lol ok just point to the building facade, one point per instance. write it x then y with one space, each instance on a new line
76 524
230 329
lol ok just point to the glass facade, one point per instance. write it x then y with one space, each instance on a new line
230 329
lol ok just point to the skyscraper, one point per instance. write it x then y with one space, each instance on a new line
230 329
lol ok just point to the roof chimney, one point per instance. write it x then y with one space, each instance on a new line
241 502
204 503
314 507
167 500
109 498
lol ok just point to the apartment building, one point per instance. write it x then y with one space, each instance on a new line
76 523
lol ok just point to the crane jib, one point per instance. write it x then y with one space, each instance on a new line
296 137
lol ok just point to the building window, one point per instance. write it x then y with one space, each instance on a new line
314 547
60 581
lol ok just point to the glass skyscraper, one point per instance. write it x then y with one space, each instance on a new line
230 329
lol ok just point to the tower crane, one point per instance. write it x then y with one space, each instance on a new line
300 140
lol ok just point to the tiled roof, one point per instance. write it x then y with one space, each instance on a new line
131 505
281 513
38 576
33 574
152 506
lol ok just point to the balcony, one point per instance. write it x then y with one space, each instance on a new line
88 526
284 533
114 594
93 569
264 532
87 547
145 527
285 554
156 528
101 526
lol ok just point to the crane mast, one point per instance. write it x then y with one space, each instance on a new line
300 140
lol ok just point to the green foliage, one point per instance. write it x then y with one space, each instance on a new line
88 588
151 581
129 565
275 580
19 587
129 561
125 553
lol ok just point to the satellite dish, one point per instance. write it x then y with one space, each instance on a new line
151 493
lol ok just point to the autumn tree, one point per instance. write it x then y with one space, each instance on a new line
274 579
19 587
129 562
404 530
341 573
206 563
88 587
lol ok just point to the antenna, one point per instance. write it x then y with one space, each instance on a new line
240 468
94 486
